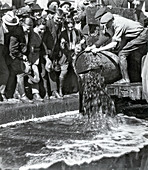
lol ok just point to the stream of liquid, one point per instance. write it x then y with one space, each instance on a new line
60 142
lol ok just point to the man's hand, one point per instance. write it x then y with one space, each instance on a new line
48 65
89 48
95 50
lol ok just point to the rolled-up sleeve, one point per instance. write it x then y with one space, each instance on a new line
118 34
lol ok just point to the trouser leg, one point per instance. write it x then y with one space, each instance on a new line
61 79
11 84
53 81
124 68
20 83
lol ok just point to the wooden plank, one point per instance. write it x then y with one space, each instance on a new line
131 90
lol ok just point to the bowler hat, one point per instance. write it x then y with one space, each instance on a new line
50 1
10 19
106 18
64 3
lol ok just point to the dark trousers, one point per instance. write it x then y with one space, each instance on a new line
14 69
4 72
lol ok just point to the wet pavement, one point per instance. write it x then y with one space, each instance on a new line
60 142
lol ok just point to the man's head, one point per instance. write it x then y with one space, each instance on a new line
58 16
27 25
65 6
10 20
41 29
69 23
106 21
36 10
53 5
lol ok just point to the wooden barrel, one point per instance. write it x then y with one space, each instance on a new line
106 61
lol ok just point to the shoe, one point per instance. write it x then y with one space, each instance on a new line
25 99
4 99
56 95
60 93
122 81
46 97
37 97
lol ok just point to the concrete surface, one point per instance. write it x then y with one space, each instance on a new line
14 111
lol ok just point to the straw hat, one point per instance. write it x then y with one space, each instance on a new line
10 19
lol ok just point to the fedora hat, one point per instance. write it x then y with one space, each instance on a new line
36 7
10 19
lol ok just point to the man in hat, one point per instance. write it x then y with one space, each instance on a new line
17 61
34 46
54 25
130 32
65 6
53 5
4 72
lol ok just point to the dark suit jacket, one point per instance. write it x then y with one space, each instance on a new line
14 41
79 35
55 32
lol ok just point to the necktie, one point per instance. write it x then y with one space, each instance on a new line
71 37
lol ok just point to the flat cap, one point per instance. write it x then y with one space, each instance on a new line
100 12
106 18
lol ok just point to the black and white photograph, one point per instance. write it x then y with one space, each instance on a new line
73 84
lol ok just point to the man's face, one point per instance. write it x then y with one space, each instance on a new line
62 43
70 26
42 29
106 26
57 19
66 8
103 28
27 29
53 6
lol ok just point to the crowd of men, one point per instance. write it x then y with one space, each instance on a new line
38 46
